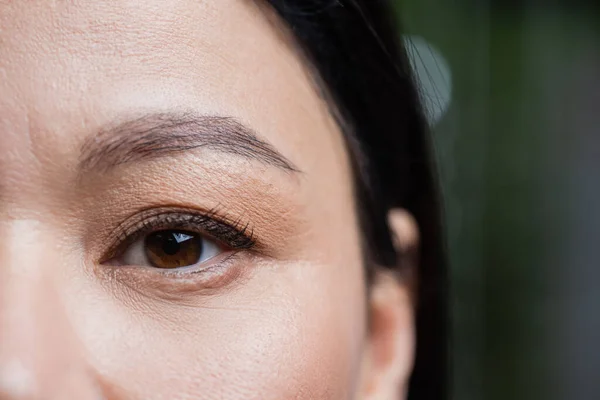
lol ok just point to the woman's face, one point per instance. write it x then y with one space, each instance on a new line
176 212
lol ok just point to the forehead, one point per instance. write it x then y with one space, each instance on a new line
145 38
67 67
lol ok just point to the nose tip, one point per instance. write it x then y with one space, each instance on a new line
48 370
19 383
16 382
48 381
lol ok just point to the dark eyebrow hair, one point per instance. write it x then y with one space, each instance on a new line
163 134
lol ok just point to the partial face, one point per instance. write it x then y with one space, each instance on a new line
176 208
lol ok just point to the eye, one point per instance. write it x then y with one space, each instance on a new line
169 249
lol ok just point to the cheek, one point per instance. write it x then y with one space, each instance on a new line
291 332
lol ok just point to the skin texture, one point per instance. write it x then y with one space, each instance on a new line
286 319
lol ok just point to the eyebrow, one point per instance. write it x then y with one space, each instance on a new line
164 134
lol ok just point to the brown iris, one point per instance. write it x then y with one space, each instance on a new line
173 249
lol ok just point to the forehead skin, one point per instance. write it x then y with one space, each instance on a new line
93 59
294 328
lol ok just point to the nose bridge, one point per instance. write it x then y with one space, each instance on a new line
23 292
40 355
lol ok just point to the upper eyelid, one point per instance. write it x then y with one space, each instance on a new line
131 229
131 223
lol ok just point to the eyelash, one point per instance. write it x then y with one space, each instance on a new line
232 233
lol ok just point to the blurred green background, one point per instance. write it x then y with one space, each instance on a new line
519 155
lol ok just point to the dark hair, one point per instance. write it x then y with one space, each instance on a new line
354 47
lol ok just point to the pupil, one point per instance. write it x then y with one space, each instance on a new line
171 246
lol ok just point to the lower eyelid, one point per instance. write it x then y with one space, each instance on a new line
181 286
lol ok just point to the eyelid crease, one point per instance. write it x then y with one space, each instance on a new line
232 233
